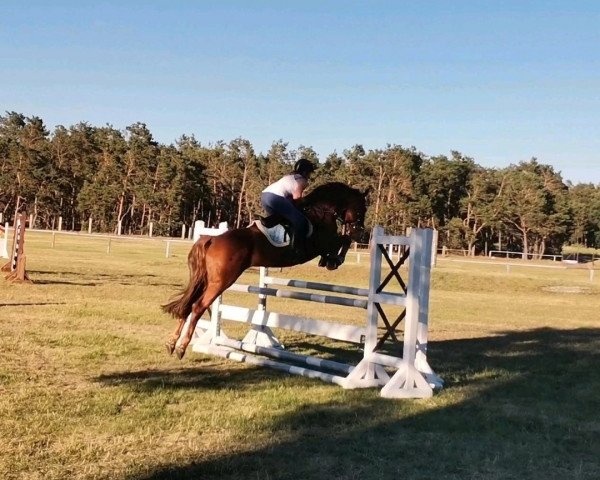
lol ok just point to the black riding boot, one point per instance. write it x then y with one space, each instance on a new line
298 244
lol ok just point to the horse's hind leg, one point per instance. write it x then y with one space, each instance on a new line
198 308
170 345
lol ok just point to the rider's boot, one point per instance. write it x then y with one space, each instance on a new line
298 244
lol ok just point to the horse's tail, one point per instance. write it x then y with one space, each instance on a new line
181 305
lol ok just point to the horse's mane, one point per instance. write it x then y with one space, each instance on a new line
330 193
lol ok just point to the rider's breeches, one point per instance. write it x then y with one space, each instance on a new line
277 204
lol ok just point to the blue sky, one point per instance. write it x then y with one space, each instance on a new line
498 81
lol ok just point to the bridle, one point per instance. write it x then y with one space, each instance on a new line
351 227
339 218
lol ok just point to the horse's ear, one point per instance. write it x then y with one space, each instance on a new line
367 191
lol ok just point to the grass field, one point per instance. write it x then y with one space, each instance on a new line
87 392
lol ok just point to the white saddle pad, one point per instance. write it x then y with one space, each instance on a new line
277 235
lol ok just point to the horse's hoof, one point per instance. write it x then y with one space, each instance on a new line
170 347
180 352
333 263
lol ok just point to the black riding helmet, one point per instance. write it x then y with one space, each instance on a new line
304 167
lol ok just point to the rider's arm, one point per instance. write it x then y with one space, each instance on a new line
301 184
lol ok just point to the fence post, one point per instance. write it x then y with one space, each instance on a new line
17 263
90 226
59 224
4 241
167 252
151 227
434 247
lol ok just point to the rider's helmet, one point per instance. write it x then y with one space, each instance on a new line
304 167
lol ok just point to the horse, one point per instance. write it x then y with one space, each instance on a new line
215 263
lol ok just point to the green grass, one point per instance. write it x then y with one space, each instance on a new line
87 392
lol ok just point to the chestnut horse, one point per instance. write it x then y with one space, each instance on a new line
215 263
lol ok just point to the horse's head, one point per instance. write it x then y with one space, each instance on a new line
353 215
348 205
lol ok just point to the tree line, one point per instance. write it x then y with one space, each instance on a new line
126 176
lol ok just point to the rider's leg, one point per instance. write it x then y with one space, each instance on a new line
276 204
269 202
301 227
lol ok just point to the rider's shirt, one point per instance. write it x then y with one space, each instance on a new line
286 186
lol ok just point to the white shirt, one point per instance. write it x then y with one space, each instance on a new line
287 185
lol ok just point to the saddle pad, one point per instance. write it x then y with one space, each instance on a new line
277 235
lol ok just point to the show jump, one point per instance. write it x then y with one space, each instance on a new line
409 376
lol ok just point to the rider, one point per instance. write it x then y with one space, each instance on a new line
277 198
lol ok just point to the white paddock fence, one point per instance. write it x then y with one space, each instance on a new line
198 231
525 256
201 230
509 266
409 376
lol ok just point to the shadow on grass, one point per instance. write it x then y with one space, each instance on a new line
87 274
518 405
193 378
37 281
31 304
99 279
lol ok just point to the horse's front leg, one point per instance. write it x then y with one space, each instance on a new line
336 253
346 242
